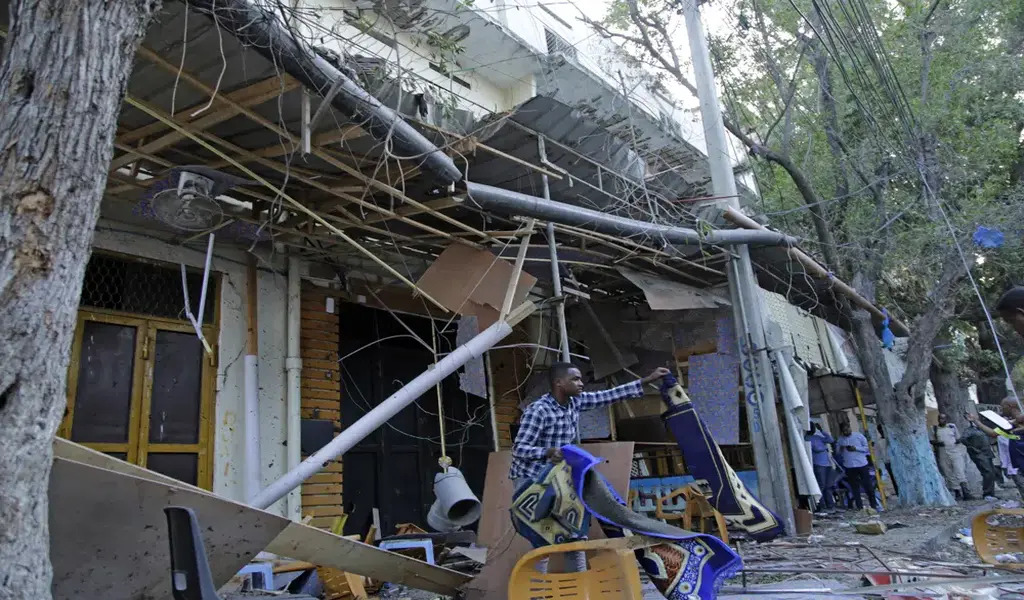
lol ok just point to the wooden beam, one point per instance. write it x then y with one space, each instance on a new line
408 211
250 95
202 122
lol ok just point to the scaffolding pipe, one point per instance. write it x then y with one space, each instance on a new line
556 275
261 30
490 198
293 370
390 407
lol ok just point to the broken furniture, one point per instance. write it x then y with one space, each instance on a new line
425 544
697 508
993 539
191 578
611 572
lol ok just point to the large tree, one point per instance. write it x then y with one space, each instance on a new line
884 133
62 79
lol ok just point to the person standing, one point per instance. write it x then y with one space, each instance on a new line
979 449
821 458
952 462
853 453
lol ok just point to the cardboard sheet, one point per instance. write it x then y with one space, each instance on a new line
504 546
473 282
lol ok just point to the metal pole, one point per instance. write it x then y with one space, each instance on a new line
490 198
756 367
556 275
251 474
293 370
390 407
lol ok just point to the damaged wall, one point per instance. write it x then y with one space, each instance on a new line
228 438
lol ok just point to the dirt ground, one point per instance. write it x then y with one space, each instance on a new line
916 538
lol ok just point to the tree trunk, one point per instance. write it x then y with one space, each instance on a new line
913 463
950 393
65 66
991 383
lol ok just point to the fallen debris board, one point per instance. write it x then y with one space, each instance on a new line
504 545
473 282
290 539
108 533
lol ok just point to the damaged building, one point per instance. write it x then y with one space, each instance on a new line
308 210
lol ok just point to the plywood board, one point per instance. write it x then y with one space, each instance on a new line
108 533
504 546
288 539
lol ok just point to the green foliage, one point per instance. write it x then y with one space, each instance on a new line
920 89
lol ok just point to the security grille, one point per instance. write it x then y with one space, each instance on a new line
143 288
557 44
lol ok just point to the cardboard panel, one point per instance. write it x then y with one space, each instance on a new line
504 546
473 282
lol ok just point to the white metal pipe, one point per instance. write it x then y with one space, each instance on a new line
206 279
293 368
387 409
251 429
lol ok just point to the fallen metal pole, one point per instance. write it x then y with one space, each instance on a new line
390 407
261 30
820 272
490 198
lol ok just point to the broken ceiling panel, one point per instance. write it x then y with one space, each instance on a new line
665 294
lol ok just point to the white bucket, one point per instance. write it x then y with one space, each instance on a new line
456 503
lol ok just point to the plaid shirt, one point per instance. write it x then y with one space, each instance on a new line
547 424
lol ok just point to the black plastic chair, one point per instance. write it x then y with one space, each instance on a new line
190 571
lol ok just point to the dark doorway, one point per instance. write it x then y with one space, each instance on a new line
393 469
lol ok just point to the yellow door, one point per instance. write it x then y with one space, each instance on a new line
141 389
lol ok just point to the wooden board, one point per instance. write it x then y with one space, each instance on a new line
108 533
504 546
285 538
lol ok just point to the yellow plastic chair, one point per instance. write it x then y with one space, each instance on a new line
992 540
612 572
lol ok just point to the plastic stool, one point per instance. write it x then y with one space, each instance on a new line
262 570
426 545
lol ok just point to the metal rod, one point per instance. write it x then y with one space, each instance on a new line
251 429
556 275
293 374
490 198
259 30
390 407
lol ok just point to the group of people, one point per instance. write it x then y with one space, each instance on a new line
842 465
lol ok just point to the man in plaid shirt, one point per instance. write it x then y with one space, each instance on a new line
552 420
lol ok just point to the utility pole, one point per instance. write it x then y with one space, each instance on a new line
755 364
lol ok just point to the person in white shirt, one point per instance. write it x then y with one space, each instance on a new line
952 457
853 454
